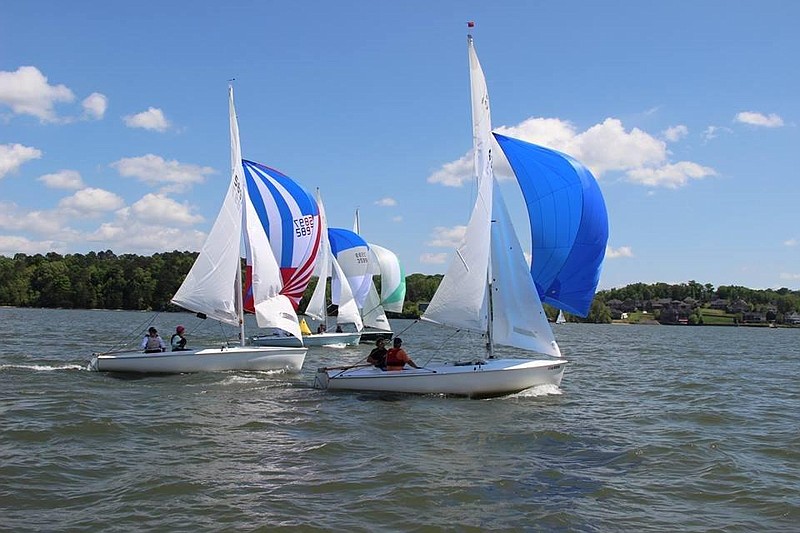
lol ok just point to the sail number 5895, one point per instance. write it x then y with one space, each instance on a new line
304 226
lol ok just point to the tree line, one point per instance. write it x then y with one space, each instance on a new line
104 280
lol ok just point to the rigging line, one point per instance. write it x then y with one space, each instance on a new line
408 327
456 332
133 335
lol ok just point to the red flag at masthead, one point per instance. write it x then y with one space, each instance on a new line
470 24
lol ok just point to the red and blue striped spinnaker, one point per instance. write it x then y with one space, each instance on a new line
290 218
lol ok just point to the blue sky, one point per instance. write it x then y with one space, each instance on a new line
114 134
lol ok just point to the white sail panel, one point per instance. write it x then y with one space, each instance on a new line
461 299
518 318
348 310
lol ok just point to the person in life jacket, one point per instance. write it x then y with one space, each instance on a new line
152 342
178 341
397 358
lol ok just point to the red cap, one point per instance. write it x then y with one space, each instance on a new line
179 329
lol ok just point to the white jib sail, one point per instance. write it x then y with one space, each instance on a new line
518 318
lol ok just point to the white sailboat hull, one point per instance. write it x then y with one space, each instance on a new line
495 377
317 339
202 360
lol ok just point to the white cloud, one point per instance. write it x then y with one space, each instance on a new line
790 277
676 133
386 202
13 156
12 244
152 119
161 209
142 238
63 179
398 218
13 218
758 119
433 259
95 105
790 242
447 237
710 132
455 173
605 147
622 251
671 176
90 201
153 170
27 92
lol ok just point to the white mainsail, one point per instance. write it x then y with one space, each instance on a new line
210 286
461 299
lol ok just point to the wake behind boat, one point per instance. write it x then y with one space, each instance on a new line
489 288
213 289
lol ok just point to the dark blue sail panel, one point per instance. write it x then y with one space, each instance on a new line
569 223
344 239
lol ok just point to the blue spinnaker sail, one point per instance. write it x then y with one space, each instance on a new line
569 223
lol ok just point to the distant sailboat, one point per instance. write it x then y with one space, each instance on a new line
487 289
560 318
347 316
392 294
213 289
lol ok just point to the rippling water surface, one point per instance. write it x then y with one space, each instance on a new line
654 428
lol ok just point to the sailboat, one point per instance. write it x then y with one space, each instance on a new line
560 318
487 289
341 294
391 297
213 289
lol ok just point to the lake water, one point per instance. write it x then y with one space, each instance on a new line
654 428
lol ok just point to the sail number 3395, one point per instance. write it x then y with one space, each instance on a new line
304 226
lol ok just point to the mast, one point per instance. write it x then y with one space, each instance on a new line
236 165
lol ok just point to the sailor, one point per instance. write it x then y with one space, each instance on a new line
152 342
178 340
397 358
